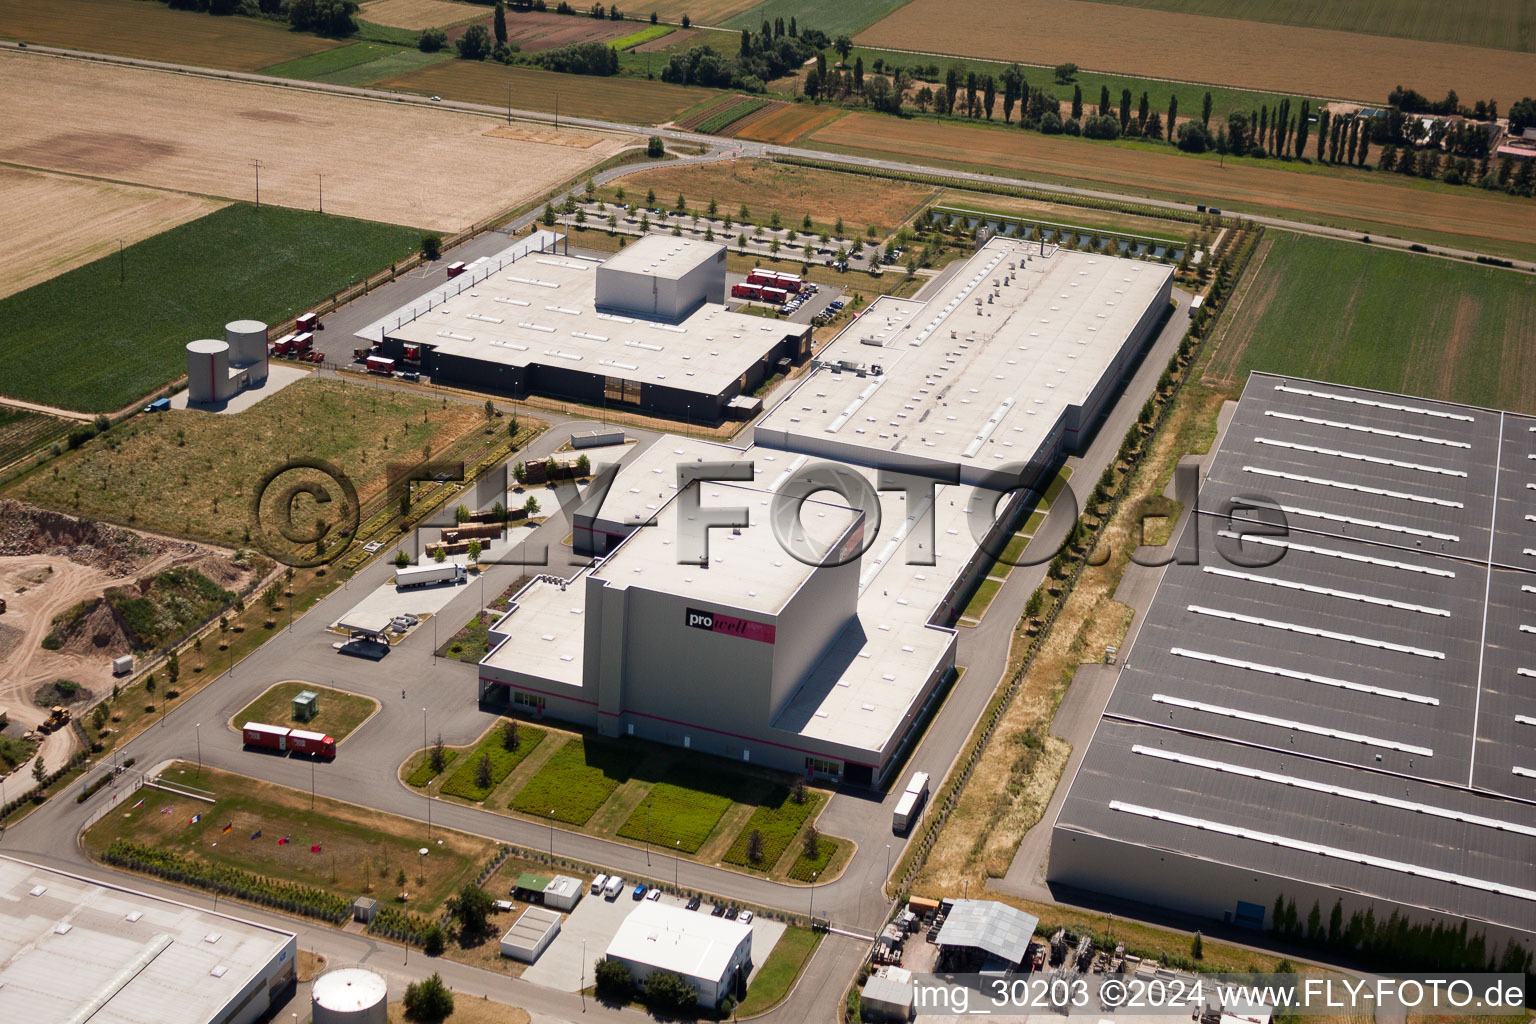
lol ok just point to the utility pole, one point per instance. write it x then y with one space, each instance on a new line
121 270
509 103
257 165
322 190
557 111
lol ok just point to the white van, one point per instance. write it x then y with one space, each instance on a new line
613 888
598 883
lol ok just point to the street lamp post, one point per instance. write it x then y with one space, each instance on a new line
426 791
583 975
812 914
551 835
311 782
887 864
647 833
198 729
676 851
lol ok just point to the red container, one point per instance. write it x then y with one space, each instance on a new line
272 737
316 744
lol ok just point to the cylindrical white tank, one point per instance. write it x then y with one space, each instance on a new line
207 371
350 995
248 347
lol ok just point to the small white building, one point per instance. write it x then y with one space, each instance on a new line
530 934
705 951
563 892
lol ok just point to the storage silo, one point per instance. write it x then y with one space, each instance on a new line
350 995
208 379
248 348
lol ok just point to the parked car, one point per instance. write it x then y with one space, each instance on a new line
746 917
718 910
639 893
730 913
694 903
654 894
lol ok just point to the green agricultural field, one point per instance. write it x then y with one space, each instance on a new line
844 17
1374 318
574 783
22 432
339 713
361 850
645 35
358 64
463 784
1500 24
1191 97
84 341
730 115
778 819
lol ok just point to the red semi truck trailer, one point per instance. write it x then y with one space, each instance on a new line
277 737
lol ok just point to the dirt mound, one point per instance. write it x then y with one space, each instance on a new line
28 530
10 636
218 568
97 631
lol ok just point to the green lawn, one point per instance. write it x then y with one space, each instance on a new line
469 644
357 64
423 773
83 341
977 605
808 869
359 848
1358 315
574 783
462 782
784 964
675 817
340 712
778 819
641 37
1191 97
835 19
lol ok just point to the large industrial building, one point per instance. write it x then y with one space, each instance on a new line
1342 710
831 618
645 329
74 949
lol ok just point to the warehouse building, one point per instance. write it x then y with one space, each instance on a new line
530 935
838 653
1002 372
646 329
1341 710
709 953
72 948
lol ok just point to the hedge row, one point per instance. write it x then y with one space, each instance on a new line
289 897
999 188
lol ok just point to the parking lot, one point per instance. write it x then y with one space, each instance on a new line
596 920
802 308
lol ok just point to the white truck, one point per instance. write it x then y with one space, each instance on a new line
422 575
910 807
613 888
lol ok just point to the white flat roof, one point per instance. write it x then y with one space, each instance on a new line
664 256
970 384
68 944
685 942
549 628
748 568
541 310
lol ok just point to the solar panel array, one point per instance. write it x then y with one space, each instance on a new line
1337 681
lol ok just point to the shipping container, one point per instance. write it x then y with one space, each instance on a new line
272 737
381 364
307 322
425 574
283 344
774 295
746 291
455 269
301 343
123 665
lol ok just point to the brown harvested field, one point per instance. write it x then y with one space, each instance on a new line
1224 51
539 30
790 124
61 222
134 28
634 100
736 127
199 135
545 136
700 12
793 191
1467 212
417 14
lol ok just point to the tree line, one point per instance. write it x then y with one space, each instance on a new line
323 17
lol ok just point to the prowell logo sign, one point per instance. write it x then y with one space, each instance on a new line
713 622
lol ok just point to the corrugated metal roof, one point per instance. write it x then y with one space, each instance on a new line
987 924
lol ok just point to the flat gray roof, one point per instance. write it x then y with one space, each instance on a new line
69 943
978 374
987 924
539 308
1383 646
664 256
